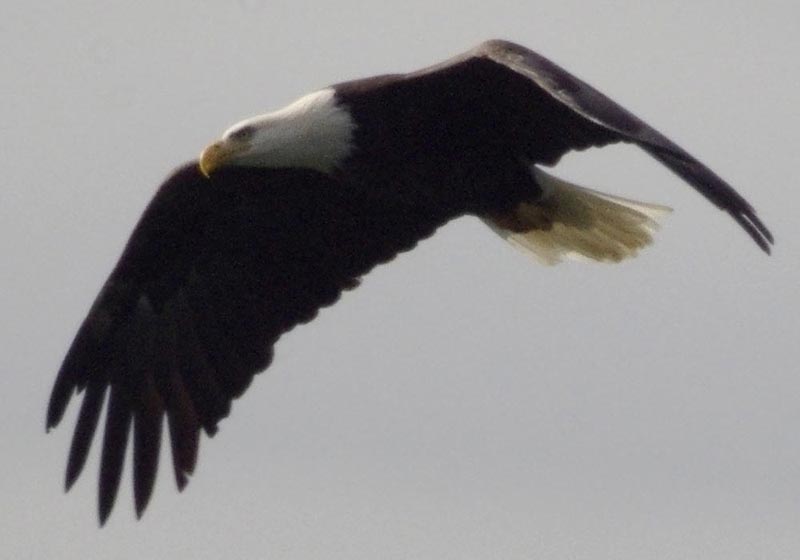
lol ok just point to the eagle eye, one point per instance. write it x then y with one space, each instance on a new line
243 133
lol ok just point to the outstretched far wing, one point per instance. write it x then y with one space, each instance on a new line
607 115
215 271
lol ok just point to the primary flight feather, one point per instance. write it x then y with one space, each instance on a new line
290 208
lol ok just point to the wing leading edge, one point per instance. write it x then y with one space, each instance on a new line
599 109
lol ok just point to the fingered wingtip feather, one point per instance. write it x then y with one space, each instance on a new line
141 504
59 399
115 443
181 480
102 515
69 482
759 225
147 442
757 231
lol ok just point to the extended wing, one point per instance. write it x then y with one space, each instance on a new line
607 116
215 271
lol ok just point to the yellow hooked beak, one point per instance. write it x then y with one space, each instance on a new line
216 155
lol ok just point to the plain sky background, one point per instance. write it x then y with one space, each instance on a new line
465 402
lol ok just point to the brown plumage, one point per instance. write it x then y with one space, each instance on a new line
219 267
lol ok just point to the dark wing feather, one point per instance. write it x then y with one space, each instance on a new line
607 115
215 271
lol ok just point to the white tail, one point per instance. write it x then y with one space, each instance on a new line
578 223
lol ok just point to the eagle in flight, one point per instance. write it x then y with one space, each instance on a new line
289 208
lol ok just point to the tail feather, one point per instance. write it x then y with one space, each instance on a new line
578 223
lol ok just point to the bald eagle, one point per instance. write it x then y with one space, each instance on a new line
292 207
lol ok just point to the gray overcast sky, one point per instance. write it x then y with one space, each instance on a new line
464 402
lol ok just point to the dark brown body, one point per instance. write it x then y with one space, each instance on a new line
217 269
